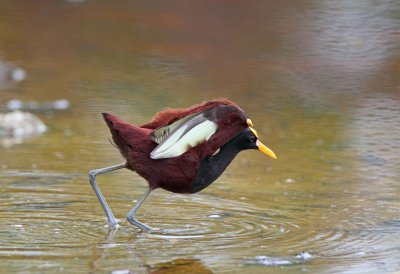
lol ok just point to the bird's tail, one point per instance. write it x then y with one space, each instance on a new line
124 135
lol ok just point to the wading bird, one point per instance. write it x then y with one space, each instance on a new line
180 150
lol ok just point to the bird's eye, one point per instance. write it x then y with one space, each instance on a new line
252 139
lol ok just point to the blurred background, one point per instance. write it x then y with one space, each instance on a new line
319 79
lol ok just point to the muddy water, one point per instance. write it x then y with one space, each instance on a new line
320 80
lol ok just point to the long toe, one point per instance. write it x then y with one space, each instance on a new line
140 225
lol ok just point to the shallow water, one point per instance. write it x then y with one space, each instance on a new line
320 80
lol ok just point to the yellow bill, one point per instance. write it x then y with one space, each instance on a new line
264 149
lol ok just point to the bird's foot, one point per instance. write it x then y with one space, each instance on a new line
155 229
111 232
142 226
112 226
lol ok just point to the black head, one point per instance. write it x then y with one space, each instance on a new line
248 139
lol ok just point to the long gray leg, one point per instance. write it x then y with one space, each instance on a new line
92 179
131 215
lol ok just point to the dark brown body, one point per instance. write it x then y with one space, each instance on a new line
176 174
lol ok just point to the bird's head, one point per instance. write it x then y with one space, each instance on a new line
249 140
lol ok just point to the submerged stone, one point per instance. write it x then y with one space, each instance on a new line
18 123
16 126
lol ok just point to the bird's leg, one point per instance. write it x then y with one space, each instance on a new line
92 179
131 215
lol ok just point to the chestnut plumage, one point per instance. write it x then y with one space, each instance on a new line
180 150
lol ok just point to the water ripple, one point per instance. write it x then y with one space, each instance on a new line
219 219
52 219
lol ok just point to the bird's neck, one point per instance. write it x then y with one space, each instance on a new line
213 166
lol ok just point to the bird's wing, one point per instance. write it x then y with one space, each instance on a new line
160 134
178 137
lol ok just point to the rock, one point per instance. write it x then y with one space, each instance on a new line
20 124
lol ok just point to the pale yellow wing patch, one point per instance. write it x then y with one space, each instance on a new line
184 135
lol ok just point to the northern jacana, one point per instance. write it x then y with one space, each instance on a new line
180 150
